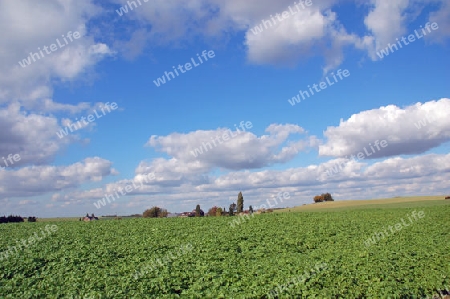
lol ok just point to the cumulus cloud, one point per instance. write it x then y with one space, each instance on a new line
389 20
314 30
410 130
386 21
442 18
420 175
293 37
416 167
285 42
243 150
314 177
205 150
37 138
31 26
185 178
140 184
32 136
311 31
38 180
27 109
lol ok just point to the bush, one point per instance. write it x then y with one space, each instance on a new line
10 219
155 212
231 212
31 219
327 197
323 197
318 198
212 212
219 212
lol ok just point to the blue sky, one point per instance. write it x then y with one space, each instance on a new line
402 98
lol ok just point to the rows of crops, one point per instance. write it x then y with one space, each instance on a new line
294 255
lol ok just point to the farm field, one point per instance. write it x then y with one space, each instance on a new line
281 255
399 202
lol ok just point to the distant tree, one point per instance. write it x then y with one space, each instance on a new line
212 212
250 209
240 203
155 212
233 206
10 219
231 212
318 198
31 219
327 197
199 212
219 212
151 213
323 197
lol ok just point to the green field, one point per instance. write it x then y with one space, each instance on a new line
396 202
298 255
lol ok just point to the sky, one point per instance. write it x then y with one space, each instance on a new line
113 107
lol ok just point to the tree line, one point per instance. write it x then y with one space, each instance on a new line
15 219
157 212
323 197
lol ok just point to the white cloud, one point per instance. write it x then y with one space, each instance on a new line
442 18
422 175
399 127
386 21
39 180
291 38
33 25
35 136
389 20
243 150
32 136
172 23
184 179
183 171
311 31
